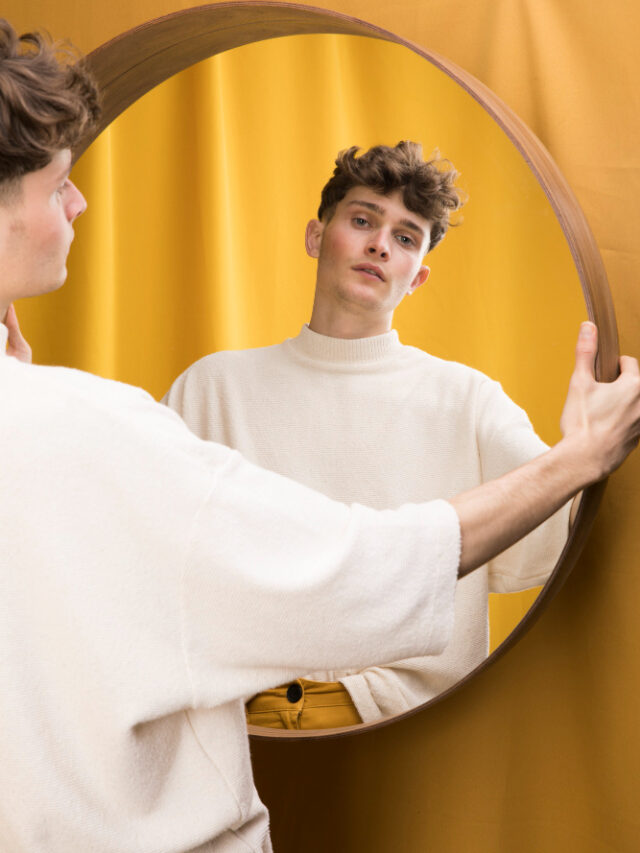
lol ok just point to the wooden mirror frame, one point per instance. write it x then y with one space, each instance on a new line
131 64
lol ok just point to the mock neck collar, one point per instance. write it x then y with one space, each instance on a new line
346 350
4 337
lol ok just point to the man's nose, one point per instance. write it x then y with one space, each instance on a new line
76 203
379 245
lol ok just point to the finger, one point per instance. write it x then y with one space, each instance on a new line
17 346
586 349
15 336
11 320
629 365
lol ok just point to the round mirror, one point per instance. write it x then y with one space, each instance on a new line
198 241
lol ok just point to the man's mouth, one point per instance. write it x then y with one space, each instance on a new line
370 269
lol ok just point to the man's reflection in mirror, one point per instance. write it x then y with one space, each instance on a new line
349 410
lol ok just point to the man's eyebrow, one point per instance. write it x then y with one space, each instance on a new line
368 204
408 223
64 171
60 176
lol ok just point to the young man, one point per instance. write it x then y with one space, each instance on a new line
347 409
150 581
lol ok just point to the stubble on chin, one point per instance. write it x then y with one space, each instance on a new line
359 298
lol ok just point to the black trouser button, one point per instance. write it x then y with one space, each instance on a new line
294 693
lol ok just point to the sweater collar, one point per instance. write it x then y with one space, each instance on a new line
346 350
4 337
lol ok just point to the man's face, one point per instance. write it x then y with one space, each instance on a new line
36 230
369 253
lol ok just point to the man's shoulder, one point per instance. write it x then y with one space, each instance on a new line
449 370
67 383
77 401
219 363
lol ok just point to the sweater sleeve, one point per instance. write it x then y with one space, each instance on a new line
507 440
192 397
280 580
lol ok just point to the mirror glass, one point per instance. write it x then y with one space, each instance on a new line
198 198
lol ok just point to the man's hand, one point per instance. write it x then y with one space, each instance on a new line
601 426
16 344
602 417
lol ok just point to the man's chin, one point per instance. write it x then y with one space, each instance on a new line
49 287
365 298
59 281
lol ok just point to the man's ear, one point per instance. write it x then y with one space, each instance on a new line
421 276
313 237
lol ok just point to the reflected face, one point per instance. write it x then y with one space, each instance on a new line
36 229
369 253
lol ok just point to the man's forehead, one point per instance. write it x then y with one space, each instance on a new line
39 181
60 162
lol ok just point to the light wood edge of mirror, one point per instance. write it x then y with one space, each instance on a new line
131 64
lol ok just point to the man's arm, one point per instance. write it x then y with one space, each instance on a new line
600 425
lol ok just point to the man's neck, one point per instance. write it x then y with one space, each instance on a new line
341 324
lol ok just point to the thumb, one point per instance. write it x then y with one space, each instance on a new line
587 349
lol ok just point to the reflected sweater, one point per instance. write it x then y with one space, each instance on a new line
149 583
379 423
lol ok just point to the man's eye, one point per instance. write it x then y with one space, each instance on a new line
360 220
406 241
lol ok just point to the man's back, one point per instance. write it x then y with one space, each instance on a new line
137 563
97 745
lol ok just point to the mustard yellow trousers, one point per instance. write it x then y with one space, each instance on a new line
303 704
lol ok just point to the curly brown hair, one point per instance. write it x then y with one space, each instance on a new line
427 187
48 101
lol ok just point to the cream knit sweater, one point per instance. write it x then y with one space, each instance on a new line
375 422
149 583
